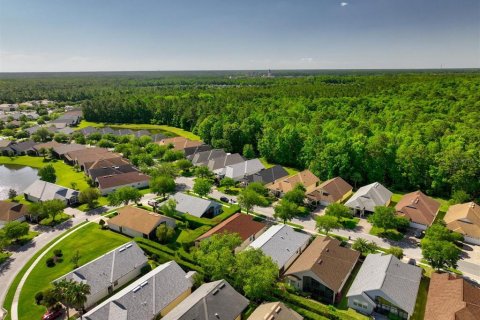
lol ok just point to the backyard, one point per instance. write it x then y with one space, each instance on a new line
90 241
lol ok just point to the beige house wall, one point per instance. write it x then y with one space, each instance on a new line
175 302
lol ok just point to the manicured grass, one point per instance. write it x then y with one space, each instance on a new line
176 131
102 201
343 305
421 302
291 171
90 241
65 174
27 238
7 304
391 234
231 191
58 219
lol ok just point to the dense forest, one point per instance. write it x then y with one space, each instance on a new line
409 130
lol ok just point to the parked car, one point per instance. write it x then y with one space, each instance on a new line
419 234
152 203
224 199
412 261
233 201
52 314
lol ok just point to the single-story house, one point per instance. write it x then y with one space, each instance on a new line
244 225
88 130
274 311
214 300
111 166
452 298
157 137
335 190
202 158
109 271
24 148
240 170
110 183
368 197
266 176
418 208
136 222
84 158
282 243
323 269
385 285
41 190
60 150
283 185
190 151
465 219
148 297
46 146
5 147
180 143
12 211
223 161
195 206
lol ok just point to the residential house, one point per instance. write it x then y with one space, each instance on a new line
113 166
283 185
147 298
109 272
180 143
265 176
60 150
452 298
221 162
282 243
242 224
465 219
45 146
202 158
214 300
385 285
335 190
368 197
86 157
274 311
195 206
12 211
191 151
323 269
240 170
88 131
110 183
42 191
157 137
136 222
5 147
418 208
24 148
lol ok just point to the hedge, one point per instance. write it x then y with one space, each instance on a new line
165 249
165 257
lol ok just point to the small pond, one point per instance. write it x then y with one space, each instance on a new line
16 177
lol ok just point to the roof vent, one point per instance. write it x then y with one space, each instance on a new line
376 185
278 309
222 285
144 284
122 249
215 291
128 245
328 250
136 289
319 261
217 316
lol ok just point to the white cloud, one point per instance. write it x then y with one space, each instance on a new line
343 4
306 59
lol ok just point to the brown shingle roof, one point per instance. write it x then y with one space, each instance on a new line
464 218
418 207
122 179
239 223
452 298
138 219
111 162
306 177
11 211
47 145
65 148
180 143
330 262
87 157
274 311
331 190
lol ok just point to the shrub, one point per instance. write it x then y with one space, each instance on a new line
39 297
57 253
102 223
146 269
50 262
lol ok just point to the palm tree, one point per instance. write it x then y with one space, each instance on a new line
71 294
78 295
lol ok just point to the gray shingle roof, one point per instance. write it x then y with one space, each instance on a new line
397 280
268 175
202 158
48 191
108 268
214 300
146 297
223 161
370 196
192 205
239 170
280 242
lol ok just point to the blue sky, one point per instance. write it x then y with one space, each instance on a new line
91 35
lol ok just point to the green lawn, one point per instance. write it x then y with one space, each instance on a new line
65 174
27 238
291 171
176 131
343 305
102 201
58 219
90 241
391 234
421 302
443 205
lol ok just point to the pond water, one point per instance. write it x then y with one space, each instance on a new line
16 177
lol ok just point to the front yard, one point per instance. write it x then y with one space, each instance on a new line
90 241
